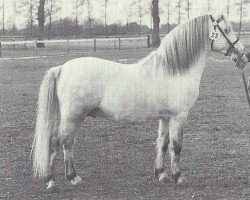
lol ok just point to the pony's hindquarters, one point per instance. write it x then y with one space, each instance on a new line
46 123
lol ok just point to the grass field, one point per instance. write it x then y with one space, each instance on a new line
116 161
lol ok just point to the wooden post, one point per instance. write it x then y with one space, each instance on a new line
148 41
94 45
68 45
36 47
119 43
1 49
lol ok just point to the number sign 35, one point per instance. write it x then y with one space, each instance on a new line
214 35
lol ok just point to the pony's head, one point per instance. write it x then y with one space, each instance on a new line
223 38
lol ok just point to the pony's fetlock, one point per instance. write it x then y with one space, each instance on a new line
176 176
76 181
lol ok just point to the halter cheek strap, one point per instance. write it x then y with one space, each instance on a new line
231 44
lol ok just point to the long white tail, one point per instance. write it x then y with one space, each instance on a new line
48 116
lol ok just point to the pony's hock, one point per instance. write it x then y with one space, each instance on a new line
163 86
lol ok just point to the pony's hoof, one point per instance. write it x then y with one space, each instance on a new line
76 181
53 190
51 187
163 178
181 181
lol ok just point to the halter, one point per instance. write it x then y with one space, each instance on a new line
231 45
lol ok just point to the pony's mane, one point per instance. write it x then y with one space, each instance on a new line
181 48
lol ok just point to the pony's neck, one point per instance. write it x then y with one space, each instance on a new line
183 47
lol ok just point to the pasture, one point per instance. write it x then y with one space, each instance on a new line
116 161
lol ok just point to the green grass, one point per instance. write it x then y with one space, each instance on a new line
116 161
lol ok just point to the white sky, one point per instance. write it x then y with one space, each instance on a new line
116 11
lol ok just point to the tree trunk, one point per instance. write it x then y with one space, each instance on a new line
156 22
179 11
168 16
105 18
41 21
90 27
241 14
208 5
228 8
31 18
76 27
3 16
50 24
127 28
140 28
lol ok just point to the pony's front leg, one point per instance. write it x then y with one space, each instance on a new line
162 147
175 145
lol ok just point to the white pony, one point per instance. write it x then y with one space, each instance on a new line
163 86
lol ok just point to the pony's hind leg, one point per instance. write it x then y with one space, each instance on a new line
50 179
162 147
175 145
67 138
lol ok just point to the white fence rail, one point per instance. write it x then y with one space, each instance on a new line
45 47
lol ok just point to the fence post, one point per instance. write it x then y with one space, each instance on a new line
0 49
148 41
119 43
68 45
36 47
94 45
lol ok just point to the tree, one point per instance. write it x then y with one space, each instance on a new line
15 12
106 3
242 12
179 7
150 13
52 7
228 8
3 16
128 12
77 4
167 6
188 8
41 20
89 7
27 7
156 23
140 4
208 5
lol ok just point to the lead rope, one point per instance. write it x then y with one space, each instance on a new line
245 86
